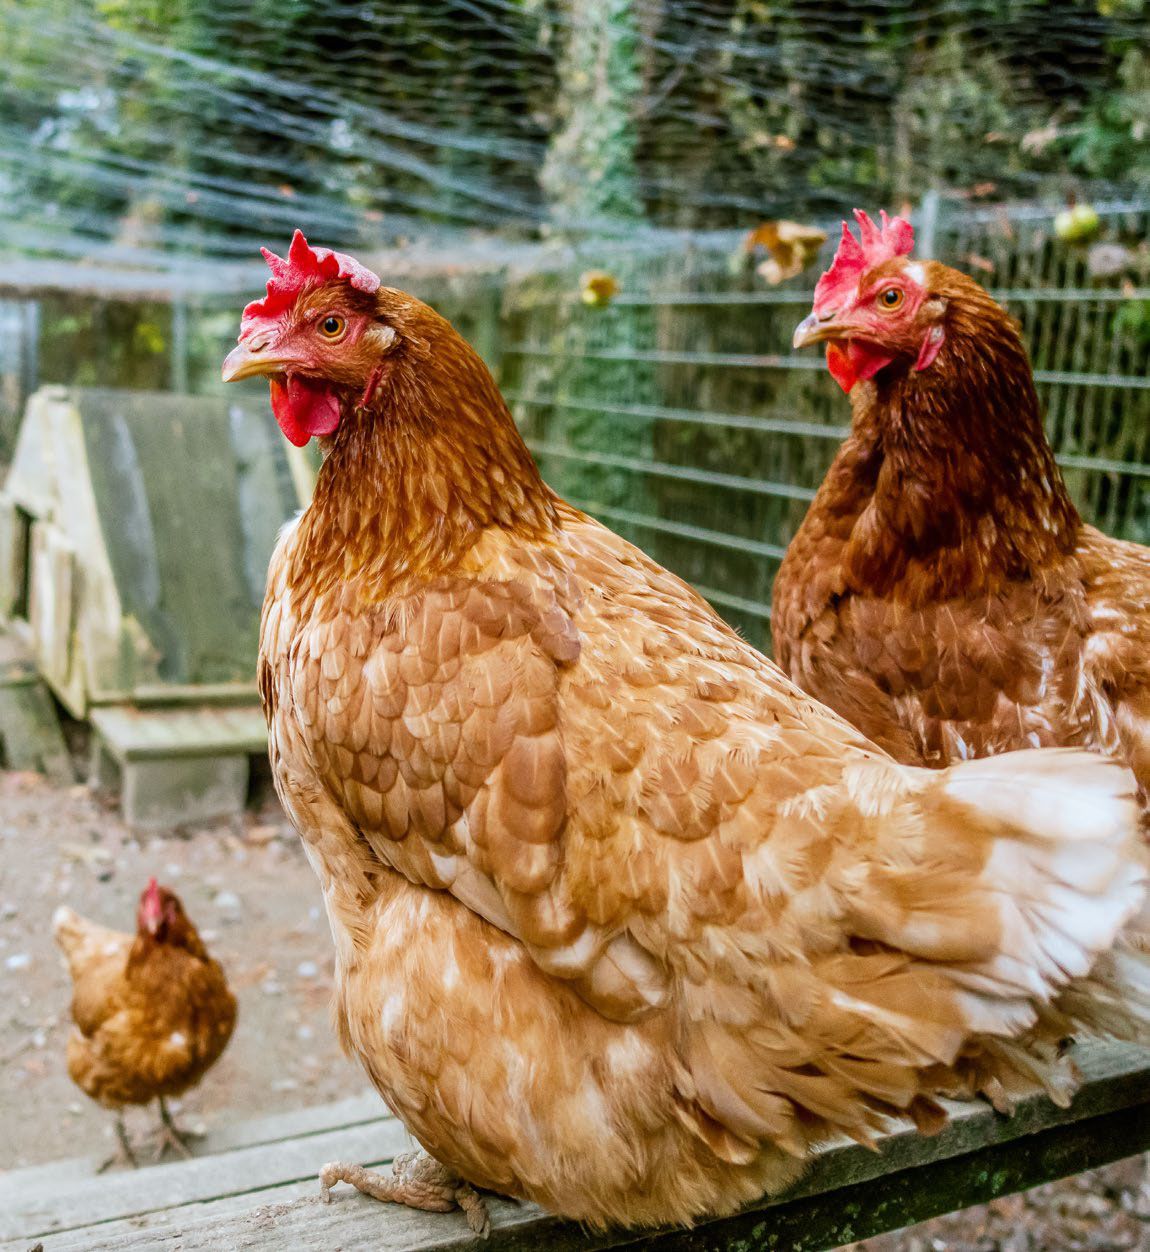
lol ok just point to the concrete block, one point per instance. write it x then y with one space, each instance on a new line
160 793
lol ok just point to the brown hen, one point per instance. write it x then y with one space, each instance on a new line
624 922
152 1011
942 593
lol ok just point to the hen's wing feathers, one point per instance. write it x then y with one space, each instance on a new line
576 748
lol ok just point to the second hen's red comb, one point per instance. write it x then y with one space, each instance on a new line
306 265
875 244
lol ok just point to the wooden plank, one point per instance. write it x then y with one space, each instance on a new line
274 1128
52 606
849 1193
17 664
86 1203
294 1217
360 1110
164 792
30 734
203 1213
134 734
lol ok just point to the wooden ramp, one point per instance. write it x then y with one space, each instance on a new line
254 1185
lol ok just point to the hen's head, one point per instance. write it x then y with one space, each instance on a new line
876 306
162 916
324 336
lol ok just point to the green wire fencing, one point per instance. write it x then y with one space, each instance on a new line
679 415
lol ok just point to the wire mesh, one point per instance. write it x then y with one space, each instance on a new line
136 130
487 152
744 430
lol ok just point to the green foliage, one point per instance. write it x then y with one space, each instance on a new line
1113 140
92 343
1133 319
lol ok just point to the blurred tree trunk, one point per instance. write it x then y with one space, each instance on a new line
591 181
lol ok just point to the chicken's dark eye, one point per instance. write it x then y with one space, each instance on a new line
332 327
891 298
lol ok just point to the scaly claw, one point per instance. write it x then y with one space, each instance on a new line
124 1154
169 1137
417 1180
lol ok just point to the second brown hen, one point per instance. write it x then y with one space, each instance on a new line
943 593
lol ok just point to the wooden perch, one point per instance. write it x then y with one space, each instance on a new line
256 1187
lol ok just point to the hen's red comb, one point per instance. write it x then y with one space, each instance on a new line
874 245
304 266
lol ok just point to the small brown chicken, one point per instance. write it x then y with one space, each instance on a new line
152 1011
624 923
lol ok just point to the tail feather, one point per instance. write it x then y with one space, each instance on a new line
1072 869
69 929
83 941
1017 879
1114 998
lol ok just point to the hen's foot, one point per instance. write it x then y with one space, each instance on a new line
124 1154
168 1137
417 1180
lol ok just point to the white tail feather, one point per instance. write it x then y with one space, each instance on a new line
1070 870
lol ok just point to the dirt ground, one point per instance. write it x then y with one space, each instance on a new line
255 900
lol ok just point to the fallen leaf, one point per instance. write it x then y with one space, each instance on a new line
792 247
1035 142
598 288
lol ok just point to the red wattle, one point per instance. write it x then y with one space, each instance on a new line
840 367
855 361
867 359
305 409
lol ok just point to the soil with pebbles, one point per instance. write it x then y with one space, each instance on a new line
255 900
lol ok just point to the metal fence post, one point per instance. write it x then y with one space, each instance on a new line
926 226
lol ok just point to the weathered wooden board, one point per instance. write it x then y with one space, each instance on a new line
169 505
266 1197
30 734
177 766
88 1203
23 1183
132 734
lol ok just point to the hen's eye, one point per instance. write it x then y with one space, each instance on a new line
891 298
332 327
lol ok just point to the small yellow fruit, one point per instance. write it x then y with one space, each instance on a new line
1075 224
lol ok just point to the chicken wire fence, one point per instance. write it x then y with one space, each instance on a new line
488 154
143 133
681 417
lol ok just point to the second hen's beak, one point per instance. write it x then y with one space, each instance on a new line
816 329
247 362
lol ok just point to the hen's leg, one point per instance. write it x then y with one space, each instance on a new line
417 1180
170 1137
124 1154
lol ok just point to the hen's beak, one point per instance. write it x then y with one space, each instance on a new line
246 362
815 329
